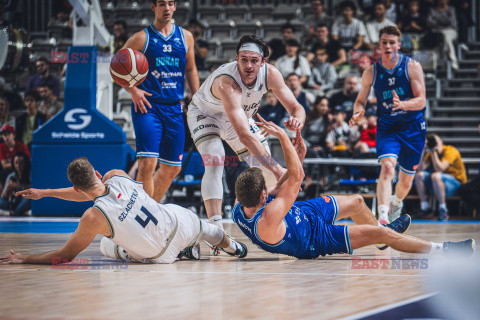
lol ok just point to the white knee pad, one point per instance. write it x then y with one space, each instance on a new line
107 248
112 250
211 233
214 154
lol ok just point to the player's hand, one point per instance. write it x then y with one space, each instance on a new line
356 118
293 124
299 146
398 104
12 258
31 193
270 128
140 102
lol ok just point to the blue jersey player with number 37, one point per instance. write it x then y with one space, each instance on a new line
156 109
400 90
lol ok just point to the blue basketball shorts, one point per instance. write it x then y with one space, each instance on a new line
160 133
327 238
404 141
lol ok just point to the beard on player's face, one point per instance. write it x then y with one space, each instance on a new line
249 63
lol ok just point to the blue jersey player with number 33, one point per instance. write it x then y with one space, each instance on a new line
400 89
156 109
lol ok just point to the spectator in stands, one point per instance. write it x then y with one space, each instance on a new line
18 180
338 139
120 35
201 53
7 150
442 172
345 98
442 19
293 62
317 125
277 46
368 134
49 105
324 75
465 20
337 56
303 97
319 16
349 30
374 26
391 8
30 120
43 76
5 116
196 28
413 21
272 110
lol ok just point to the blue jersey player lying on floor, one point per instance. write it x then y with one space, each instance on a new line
273 220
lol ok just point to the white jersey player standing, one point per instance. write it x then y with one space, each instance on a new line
135 226
223 108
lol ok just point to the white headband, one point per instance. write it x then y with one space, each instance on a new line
250 46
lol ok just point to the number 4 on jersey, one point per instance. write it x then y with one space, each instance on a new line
150 217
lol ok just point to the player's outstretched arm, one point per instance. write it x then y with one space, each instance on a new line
68 194
287 99
301 150
191 72
359 105
276 210
230 93
90 224
417 82
140 102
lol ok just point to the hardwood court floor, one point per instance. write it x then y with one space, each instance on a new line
262 286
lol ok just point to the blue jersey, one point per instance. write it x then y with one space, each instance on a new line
166 62
310 230
384 82
296 241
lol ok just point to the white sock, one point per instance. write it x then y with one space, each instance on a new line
383 211
396 201
232 248
443 206
424 206
436 248
216 220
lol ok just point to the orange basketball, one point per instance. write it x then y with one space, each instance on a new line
129 67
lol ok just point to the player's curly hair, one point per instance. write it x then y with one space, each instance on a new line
254 39
81 173
249 187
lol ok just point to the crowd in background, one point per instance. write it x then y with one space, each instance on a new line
322 64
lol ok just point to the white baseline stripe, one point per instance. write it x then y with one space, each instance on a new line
40 219
388 307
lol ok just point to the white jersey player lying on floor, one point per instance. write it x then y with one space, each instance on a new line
223 108
138 228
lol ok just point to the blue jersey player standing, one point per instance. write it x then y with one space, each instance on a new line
273 220
156 110
400 90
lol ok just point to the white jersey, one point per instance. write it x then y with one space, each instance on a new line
210 105
139 224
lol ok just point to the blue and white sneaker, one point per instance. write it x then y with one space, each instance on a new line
190 253
400 225
464 249
395 212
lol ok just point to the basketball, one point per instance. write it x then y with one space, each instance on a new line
129 67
